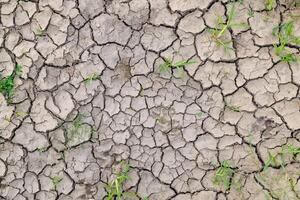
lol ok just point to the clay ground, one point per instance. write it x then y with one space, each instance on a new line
90 94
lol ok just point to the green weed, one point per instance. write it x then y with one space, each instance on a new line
224 175
8 119
286 187
168 65
40 32
42 149
75 128
232 107
91 78
270 4
56 180
250 12
218 34
21 114
285 34
280 157
162 119
290 149
62 155
7 84
199 114
77 123
115 187
272 160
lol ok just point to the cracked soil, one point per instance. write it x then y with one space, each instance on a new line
91 94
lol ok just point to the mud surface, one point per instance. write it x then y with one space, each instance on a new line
91 95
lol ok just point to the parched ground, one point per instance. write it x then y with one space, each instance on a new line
91 95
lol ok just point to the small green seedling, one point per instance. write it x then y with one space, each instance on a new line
56 180
270 4
199 114
42 149
290 149
75 127
8 119
162 119
115 187
40 32
91 78
224 175
20 114
168 65
272 160
77 123
250 12
287 150
7 84
285 34
218 34
292 184
232 107
62 155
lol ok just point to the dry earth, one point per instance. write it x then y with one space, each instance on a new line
91 95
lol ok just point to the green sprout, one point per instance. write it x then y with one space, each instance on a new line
232 107
115 187
75 128
250 12
271 161
270 4
224 175
218 33
286 150
77 123
199 114
21 114
56 180
91 78
290 149
40 32
42 149
7 84
285 34
168 65
161 119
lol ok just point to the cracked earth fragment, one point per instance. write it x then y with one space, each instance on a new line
90 96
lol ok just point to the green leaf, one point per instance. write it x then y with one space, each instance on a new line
168 65
224 175
18 69
183 63
239 25
270 4
231 14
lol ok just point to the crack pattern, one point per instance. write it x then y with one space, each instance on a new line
91 95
